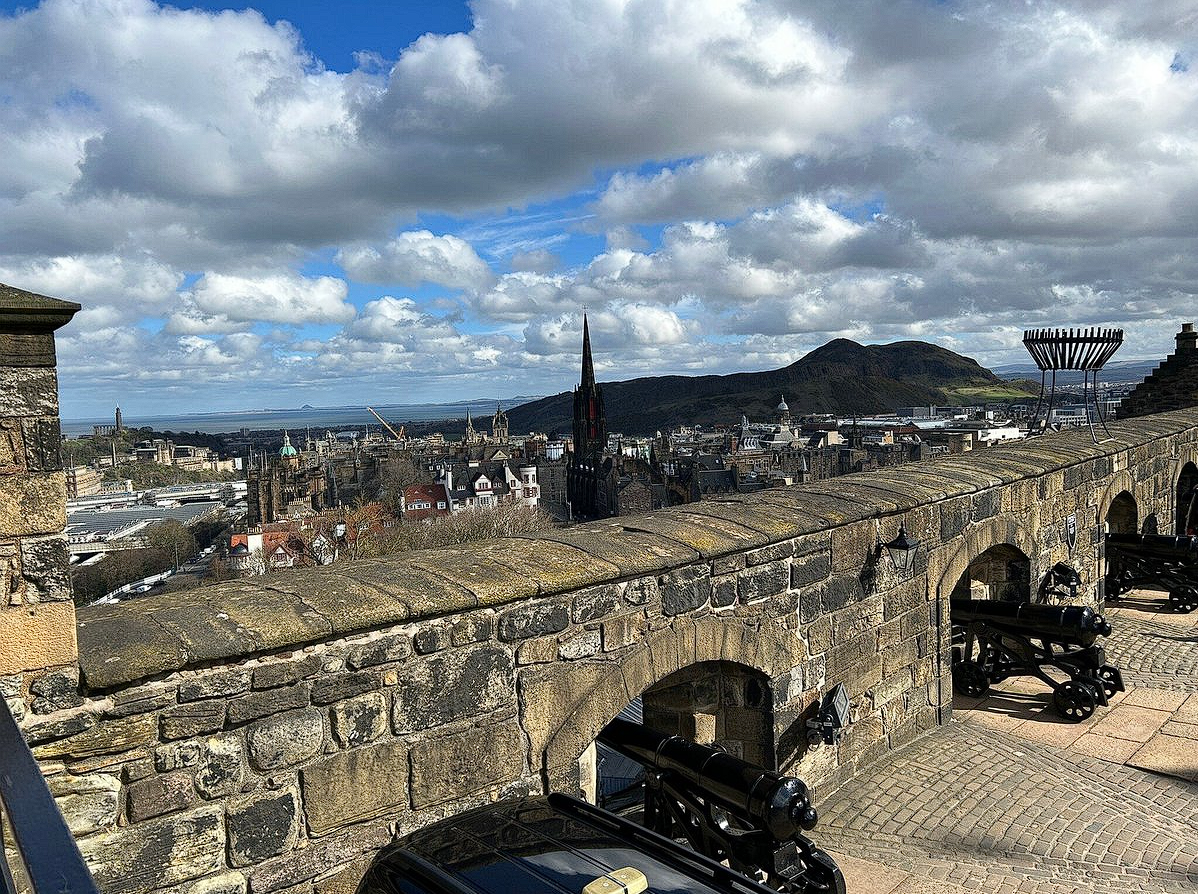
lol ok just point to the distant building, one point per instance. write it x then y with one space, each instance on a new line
591 484
82 481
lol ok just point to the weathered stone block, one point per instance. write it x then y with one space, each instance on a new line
447 768
430 639
106 737
772 553
954 516
89 803
856 618
904 598
621 632
641 591
841 590
451 686
355 785
470 629
285 673
214 684
37 636
33 504
290 870
810 568
685 590
51 730
193 719
157 795
537 619
285 740
157 852
56 690
225 883
29 392
267 702
537 651
46 568
141 700
261 827
43 444
358 720
220 768
333 689
594 603
581 645
723 591
763 581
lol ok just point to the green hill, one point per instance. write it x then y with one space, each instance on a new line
841 377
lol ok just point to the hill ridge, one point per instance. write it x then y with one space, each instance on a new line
841 377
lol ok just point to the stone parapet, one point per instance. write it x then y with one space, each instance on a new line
37 620
126 643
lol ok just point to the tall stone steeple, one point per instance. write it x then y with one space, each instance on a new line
590 423
471 435
591 487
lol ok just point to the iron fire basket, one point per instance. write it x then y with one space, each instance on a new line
1087 350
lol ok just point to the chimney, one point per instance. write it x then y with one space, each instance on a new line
1187 339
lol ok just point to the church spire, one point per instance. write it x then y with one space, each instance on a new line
588 366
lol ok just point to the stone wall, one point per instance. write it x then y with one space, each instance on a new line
268 733
271 734
1172 385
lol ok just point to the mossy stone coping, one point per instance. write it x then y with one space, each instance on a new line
143 638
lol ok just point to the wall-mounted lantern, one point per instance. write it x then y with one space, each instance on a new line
829 723
902 551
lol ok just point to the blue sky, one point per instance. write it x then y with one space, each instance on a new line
414 201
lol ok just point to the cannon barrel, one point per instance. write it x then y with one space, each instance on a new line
1153 546
779 804
1062 623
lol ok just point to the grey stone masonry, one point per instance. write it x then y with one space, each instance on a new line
37 619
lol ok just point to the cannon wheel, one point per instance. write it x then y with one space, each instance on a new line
1075 700
969 678
1184 599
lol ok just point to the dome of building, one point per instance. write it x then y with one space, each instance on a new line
287 449
782 407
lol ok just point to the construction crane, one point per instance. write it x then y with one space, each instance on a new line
399 435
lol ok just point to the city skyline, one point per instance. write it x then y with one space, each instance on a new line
414 205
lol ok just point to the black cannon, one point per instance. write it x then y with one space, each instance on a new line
1156 561
728 809
993 640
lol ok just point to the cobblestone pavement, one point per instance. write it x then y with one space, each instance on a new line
1153 646
981 809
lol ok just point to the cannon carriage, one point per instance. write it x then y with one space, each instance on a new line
1154 561
728 809
995 640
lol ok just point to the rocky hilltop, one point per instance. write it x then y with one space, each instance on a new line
840 377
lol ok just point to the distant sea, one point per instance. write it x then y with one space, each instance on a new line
318 418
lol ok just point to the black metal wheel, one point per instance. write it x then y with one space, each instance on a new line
969 678
1184 599
1075 700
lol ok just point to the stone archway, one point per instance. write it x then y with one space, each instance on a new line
1122 516
564 705
1186 500
994 532
1002 572
718 703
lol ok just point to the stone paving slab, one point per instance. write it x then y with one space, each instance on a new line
1153 646
981 809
